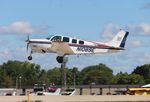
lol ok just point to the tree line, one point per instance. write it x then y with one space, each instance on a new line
13 72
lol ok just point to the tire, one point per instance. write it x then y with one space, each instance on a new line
29 57
59 59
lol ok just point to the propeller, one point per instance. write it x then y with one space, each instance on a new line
28 39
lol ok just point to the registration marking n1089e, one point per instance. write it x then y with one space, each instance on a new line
85 49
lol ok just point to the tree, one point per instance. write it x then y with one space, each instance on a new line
125 78
12 70
43 77
121 78
54 76
73 75
99 74
8 82
30 73
77 75
143 71
136 79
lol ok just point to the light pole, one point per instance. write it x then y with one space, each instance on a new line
74 77
16 82
92 84
20 81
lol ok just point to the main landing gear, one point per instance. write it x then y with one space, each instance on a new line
60 59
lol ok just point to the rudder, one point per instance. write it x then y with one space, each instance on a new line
124 40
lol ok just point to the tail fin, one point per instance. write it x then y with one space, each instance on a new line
119 40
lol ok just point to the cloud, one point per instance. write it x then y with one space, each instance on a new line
143 58
109 30
147 56
10 54
140 29
21 27
137 29
134 44
146 6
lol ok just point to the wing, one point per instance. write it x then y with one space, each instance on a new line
61 48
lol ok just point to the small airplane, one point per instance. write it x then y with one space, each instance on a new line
63 46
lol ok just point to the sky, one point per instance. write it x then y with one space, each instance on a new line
95 20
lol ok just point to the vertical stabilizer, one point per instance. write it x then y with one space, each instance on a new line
119 40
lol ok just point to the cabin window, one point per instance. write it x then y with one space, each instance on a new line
65 39
81 42
74 41
56 38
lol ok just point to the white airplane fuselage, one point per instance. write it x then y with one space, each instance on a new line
63 45
64 48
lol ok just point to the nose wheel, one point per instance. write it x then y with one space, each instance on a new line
29 57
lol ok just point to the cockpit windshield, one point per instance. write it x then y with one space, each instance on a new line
54 38
50 37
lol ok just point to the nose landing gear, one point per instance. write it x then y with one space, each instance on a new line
30 57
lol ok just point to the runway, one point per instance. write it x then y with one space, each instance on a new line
83 98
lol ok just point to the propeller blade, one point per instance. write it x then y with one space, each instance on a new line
28 39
